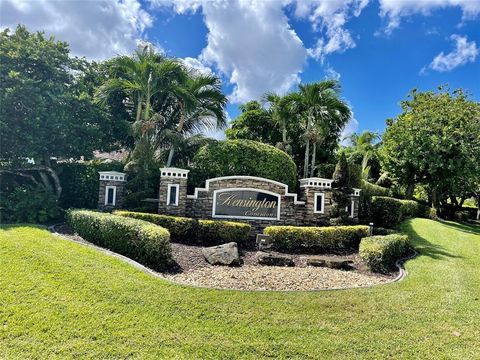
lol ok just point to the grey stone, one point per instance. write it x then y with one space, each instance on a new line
225 254
330 262
271 259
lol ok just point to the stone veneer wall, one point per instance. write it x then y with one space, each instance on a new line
163 208
102 193
292 212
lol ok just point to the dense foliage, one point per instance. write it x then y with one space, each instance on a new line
139 240
80 182
196 232
306 124
319 240
27 204
47 108
435 142
243 157
388 212
381 252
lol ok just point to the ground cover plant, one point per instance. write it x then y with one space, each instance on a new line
64 300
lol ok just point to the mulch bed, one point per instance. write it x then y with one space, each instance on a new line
191 268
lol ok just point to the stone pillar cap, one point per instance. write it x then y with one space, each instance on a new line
316 181
173 172
112 175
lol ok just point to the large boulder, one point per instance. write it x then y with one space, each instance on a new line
330 262
271 259
225 254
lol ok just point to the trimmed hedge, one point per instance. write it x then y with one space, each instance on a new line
212 232
243 157
389 212
197 232
180 228
316 239
139 240
381 252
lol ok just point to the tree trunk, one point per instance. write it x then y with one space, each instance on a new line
435 200
54 176
409 191
307 156
314 153
179 130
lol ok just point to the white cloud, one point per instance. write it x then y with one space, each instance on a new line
394 10
350 129
465 51
331 73
330 18
251 43
94 29
197 65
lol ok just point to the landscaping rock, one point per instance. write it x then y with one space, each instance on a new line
225 254
275 260
330 262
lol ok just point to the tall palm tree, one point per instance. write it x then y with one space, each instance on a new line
323 112
281 111
200 106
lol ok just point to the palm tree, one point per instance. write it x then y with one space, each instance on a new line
200 106
323 112
281 111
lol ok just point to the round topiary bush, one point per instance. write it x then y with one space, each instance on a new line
243 157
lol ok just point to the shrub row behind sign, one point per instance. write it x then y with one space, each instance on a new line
196 232
139 240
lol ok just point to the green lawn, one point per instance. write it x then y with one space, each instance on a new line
65 300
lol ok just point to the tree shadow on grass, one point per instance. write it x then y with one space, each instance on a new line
468 228
425 247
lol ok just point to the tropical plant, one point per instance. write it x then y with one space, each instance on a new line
323 113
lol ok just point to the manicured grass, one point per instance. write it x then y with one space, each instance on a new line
60 299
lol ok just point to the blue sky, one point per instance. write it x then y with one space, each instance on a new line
376 74
379 49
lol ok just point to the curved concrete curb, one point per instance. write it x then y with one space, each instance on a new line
402 273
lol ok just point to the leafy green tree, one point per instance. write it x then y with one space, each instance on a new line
254 123
435 142
46 108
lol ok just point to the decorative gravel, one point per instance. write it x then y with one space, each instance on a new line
250 277
192 269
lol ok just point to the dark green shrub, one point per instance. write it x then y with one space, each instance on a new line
181 229
369 189
383 231
389 212
212 232
196 232
385 211
316 239
139 240
80 182
243 157
381 252
28 204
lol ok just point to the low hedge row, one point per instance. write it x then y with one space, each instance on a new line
381 252
389 212
196 232
139 240
316 239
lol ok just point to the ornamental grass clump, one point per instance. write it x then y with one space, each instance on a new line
139 240
380 253
328 239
